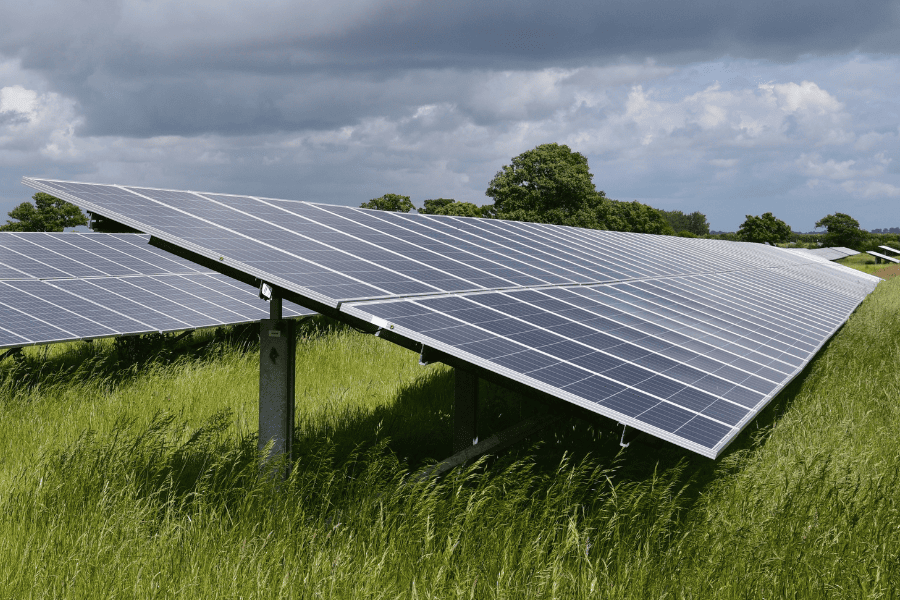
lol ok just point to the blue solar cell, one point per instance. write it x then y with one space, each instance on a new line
667 417
727 412
703 431
630 402
491 348
133 305
74 325
659 386
598 362
594 388
107 321
32 268
525 361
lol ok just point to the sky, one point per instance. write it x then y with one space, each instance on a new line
729 108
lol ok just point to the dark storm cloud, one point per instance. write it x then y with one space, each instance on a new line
500 34
146 69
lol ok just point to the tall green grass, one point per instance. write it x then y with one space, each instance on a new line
143 481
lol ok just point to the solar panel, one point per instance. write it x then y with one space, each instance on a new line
835 253
889 249
686 339
57 287
881 257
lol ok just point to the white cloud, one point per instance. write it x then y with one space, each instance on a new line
651 133
871 189
36 125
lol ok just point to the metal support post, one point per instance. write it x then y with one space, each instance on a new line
465 410
277 345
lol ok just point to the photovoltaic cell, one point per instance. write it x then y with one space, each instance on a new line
686 339
56 287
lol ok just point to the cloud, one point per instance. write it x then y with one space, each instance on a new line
231 68
871 189
33 123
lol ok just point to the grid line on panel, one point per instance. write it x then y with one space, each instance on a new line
99 245
682 306
62 190
385 249
575 240
187 285
30 251
355 256
136 301
506 230
620 336
462 230
124 243
726 291
645 372
13 257
682 329
8 297
56 285
63 245
595 380
415 227
247 237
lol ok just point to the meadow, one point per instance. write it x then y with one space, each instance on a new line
124 477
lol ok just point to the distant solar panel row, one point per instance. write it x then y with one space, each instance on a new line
835 253
58 287
686 339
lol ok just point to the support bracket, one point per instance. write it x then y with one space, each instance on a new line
465 410
426 356
277 348
496 443
627 437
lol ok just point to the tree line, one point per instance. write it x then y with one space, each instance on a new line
552 184
547 184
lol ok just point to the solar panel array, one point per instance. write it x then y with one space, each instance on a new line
883 257
835 253
889 249
686 339
68 286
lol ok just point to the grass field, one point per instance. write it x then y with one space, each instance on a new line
141 481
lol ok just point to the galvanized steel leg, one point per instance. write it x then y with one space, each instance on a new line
277 345
465 410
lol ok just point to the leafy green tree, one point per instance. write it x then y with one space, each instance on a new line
632 216
390 202
765 228
694 222
548 184
48 213
435 205
842 230
451 208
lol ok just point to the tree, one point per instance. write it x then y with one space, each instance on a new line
548 184
389 202
842 230
632 216
693 223
434 206
443 206
765 228
48 213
